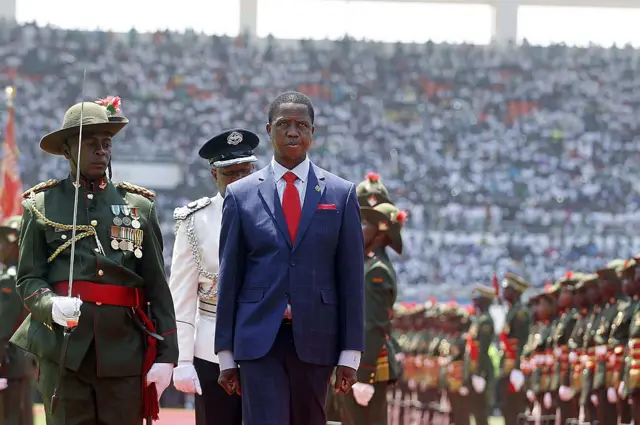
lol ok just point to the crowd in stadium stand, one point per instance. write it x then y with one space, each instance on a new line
515 158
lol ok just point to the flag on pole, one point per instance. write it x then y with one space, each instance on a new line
10 182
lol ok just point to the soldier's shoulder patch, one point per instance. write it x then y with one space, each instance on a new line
6 290
40 187
181 213
132 188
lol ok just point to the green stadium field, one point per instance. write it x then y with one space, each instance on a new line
186 417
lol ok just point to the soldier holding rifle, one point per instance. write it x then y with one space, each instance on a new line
91 260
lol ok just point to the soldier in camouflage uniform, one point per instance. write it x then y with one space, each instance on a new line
16 368
481 372
512 340
610 318
367 403
456 365
588 399
561 379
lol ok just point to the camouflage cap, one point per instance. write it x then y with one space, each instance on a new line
10 229
482 291
515 282
371 191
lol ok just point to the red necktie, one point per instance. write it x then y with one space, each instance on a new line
291 205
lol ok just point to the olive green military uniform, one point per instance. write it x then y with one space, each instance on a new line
512 340
542 358
16 406
562 372
631 369
480 337
378 365
589 359
457 369
126 324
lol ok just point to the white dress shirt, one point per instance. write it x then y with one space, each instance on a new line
350 358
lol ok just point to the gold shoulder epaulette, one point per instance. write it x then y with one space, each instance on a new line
40 187
136 189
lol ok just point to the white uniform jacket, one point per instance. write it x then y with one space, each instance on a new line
194 276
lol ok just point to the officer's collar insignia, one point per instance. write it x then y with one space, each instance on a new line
234 138
383 226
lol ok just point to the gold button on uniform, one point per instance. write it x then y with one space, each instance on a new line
100 272
94 222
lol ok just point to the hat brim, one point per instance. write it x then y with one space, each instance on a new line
234 161
52 142
374 217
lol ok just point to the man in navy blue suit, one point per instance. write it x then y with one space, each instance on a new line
290 284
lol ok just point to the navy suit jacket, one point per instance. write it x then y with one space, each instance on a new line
322 272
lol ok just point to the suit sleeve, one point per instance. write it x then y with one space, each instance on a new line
183 283
231 272
350 276
378 296
10 312
31 284
157 290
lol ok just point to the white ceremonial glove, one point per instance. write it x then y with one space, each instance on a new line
516 377
612 397
3 384
362 393
594 400
478 383
565 393
160 374
601 350
573 357
400 357
621 389
412 385
463 391
531 396
65 311
546 400
185 378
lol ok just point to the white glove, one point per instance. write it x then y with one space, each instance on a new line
411 384
463 391
362 393
478 383
612 397
621 389
546 400
531 396
3 384
601 350
160 374
594 400
565 393
400 357
185 378
573 357
517 379
65 311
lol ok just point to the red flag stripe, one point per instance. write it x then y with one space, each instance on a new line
10 182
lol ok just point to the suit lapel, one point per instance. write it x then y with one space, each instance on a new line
269 194
311 199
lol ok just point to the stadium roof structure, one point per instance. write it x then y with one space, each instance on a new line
505 12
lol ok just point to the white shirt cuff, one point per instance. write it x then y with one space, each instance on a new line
349 358
226 360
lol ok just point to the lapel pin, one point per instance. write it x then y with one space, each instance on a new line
317 188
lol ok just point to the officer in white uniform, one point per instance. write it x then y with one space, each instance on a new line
193 281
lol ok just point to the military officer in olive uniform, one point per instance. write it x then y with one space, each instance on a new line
479 339
16 368
367 403
123 347
194 275
457 369
512 340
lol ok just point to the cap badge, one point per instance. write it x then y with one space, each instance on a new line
234 138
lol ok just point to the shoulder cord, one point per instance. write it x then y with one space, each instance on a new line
195 252
86 230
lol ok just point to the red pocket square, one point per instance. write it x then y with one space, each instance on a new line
327 206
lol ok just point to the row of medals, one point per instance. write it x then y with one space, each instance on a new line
124 238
